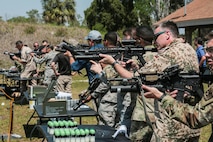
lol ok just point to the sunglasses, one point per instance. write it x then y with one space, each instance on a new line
158 34
209 49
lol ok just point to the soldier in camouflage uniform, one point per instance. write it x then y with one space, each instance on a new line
171 51
193 116
40 68
107 101
47 59
143 36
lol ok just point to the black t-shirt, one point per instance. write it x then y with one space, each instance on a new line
63 61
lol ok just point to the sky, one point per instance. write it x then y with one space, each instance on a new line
15 8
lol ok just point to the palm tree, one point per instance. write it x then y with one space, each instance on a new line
59 11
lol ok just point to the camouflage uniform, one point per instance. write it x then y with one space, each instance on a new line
193 116
47 59
40 69
127 101
165 128
147 56
107 108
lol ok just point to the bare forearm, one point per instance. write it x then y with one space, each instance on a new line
53 67
71 59
122 71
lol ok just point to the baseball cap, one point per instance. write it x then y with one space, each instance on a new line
94 35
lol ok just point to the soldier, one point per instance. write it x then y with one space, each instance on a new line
192 116
171 51
94 40
47 59
143 36
40 68
29 66
63 73
35 46
107 101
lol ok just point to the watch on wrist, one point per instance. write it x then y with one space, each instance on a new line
161 97
102 73
114 63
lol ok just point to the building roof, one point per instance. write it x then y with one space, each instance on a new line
198 12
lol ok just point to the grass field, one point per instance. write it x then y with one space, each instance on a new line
23 113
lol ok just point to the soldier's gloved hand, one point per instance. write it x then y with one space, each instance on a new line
121 129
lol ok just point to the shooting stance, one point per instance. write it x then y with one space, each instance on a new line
47 59
94 41
29 66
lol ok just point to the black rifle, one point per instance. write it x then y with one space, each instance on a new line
38 53
78 46
130 43
39 50
12 54
75 50
83 97
122 53
171 79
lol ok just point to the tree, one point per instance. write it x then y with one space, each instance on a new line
19 19
131 15
144 11
118 14
34 16
1 19
59 12
109 15
162 8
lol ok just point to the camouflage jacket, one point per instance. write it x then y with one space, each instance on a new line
102 92
176 53
193 116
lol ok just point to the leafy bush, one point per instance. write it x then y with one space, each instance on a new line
61 32
30 30
19 19
99 27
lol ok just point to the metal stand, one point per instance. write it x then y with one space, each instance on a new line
10 131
